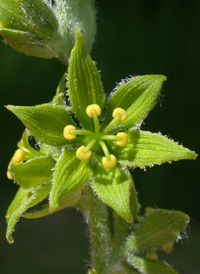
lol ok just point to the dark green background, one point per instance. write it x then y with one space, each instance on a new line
133 38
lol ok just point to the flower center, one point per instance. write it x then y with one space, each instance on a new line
83 153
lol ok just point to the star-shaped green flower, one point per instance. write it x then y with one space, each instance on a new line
94 148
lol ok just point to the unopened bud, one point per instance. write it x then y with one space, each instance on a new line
45 28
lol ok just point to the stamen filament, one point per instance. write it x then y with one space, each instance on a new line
111 124
96 122
90 145
105 150
110 137
82 132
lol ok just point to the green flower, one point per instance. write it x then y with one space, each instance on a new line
84 142
47 29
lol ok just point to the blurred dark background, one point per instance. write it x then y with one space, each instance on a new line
133 38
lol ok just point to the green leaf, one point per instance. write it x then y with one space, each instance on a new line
112 186
69 176
45 122
84 83
33 172
137 97
146 149
145 266
20 205
157 228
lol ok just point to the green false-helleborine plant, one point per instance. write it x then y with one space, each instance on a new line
85 146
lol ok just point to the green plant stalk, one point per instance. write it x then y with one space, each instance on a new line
99 232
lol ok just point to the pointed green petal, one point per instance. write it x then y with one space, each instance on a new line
68 201
157 228
45 122
121 227
33 172
70 175
149 266
19 197
137 97
112 186
84 83
31 199
146 149
123 268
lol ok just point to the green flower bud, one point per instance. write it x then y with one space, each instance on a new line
45 28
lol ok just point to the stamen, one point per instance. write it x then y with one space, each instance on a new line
109 164
168 247
18 156
109 137
82 155
82 132
151 256
94 108
110 161
90 145
9 175
121 112
68 134
105 150
93 111
123 139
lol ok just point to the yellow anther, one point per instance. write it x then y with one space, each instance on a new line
109 164
67 132
82 155
151 256
121 112
123 139
168 247
9 175
93 108
18 156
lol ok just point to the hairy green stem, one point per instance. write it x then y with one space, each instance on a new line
100 235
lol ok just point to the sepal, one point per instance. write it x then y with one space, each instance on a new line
70 175
146 149
113 186
45 122
137 97
68 201
24 200
158 227
84 83
145 266
32 172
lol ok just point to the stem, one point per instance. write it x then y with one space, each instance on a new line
100 235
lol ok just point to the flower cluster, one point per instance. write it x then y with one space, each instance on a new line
75 149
